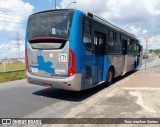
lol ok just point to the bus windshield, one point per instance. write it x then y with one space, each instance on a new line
50 24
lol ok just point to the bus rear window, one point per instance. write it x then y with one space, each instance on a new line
47 45
50 24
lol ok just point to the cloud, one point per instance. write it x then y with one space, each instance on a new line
141 18
13 13
10 50
152 43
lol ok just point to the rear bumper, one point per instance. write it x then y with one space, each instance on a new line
74 80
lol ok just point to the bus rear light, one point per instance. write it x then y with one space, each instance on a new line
47 85
71 11
69 85
72 63
26 60
65 83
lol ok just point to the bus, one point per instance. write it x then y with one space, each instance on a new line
72 50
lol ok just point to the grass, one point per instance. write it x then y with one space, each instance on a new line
12 66
5 77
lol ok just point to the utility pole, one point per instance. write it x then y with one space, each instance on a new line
146 40
18 45
55 4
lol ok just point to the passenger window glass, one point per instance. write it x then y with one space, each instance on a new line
87 34
132 47
111 47
99 44
118 45
95 40
100 41
111 36
111 42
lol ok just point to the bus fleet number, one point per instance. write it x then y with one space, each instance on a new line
62 57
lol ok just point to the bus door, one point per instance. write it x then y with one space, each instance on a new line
99 53
139 56
124 52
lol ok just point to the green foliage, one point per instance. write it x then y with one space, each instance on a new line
155 51
4 77
12 66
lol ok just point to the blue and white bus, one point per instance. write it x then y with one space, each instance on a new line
72 50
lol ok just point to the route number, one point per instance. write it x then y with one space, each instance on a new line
63 57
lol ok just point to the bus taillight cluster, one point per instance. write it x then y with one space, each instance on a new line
71 63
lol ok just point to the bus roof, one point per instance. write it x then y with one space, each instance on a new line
50 11
110 24
99 19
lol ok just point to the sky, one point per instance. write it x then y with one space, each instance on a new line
141 18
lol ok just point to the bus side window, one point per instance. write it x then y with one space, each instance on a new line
87 34
132 47
99 44
111 42
118 45
135 47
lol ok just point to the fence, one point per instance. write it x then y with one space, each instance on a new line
16 71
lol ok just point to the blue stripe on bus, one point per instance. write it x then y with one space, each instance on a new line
75 37
107 65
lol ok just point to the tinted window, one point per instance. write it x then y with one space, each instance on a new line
118 45
132 47
111 41
47 44
87 34
50 24
99 45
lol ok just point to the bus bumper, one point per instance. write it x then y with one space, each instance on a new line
70 83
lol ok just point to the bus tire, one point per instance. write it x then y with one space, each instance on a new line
135 66
110 76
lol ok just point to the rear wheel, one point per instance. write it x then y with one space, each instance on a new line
110 77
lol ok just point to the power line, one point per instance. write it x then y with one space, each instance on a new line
12 11
7 9
11 22
21 3
11 15
18 44
13 18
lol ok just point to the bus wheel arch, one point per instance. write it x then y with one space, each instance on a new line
110 75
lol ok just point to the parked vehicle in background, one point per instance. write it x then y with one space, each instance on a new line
145 56
73 50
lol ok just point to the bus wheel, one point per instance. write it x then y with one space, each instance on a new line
110 77
135 65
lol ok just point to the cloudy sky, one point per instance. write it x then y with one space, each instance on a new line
139 17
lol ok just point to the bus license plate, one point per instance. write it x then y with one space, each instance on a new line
35 70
